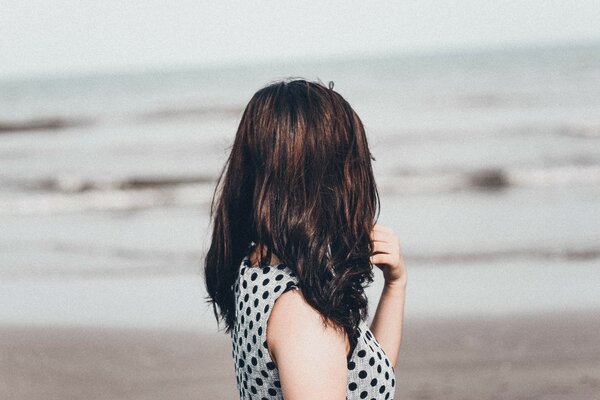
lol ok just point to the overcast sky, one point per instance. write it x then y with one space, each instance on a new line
41 36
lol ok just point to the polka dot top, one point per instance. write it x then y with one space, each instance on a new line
370 374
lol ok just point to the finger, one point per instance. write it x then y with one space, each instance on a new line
382 236
385 247
382 259
385 238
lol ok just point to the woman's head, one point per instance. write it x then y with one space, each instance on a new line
299 182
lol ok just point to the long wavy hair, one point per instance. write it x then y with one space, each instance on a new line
298 182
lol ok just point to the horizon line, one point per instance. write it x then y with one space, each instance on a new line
304 59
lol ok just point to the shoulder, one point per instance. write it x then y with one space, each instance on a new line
306 350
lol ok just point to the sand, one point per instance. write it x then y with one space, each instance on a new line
553 356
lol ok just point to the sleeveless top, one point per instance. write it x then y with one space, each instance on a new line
370 373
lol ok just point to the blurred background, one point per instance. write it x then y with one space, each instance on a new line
116 119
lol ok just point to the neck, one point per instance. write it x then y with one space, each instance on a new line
261 251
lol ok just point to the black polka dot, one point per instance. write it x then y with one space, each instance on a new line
254 297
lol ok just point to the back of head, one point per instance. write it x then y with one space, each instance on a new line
298 181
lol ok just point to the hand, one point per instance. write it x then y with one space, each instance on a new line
387 255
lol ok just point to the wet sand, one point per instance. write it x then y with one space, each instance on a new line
527 357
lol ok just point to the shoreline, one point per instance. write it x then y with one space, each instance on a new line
537 356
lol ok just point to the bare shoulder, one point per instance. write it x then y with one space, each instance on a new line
293 316
310 355
291 310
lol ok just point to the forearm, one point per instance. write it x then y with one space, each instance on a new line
388 319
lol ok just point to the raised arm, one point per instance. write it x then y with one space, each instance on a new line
389 316
311 357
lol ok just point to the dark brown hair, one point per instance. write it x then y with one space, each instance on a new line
299 182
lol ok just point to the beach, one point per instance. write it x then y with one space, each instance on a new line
488 167
551 356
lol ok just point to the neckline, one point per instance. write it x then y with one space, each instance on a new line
246 261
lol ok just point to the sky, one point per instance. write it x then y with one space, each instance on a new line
40 37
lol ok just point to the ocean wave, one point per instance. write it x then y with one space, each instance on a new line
59 122
167 263
552 253
107 200
76 184
489 179
100 272
391 138
74 194
200 111
47 123
580 131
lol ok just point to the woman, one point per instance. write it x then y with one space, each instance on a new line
294 221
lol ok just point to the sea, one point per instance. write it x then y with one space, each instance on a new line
487 163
